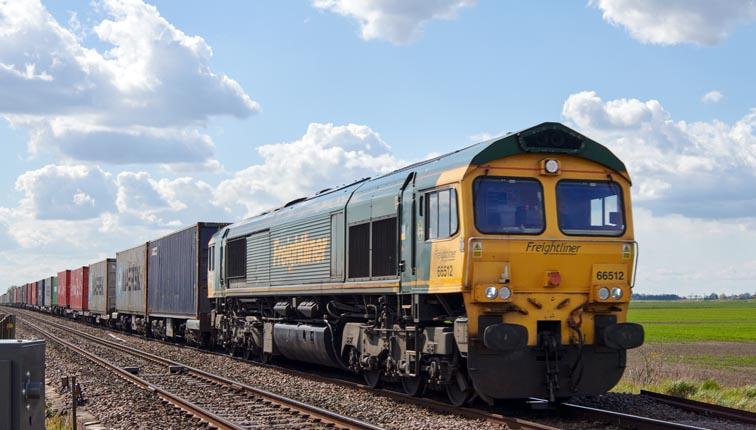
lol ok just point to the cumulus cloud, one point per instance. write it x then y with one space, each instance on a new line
672 22
166 202
712 97
66 192
398 21
677 166
326 156
152 91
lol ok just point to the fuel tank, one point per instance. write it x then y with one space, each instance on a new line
312 344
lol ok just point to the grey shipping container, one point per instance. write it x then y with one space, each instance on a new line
102 284
47 300
177 275
131 280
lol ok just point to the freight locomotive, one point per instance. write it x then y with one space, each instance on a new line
502 270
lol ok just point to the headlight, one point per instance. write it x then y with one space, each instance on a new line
551 166
505 293
491 292
616 293
603 293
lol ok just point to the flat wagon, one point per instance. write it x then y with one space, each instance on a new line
102 281
131 289
64 292
177 303
80 291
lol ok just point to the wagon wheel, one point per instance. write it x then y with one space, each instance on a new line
459 390
372 378
414 385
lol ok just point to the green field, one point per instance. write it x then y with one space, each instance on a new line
695 321
680 357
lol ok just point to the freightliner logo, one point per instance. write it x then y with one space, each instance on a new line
552 248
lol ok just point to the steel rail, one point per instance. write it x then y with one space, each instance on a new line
625 420
177 401
704 408
315 412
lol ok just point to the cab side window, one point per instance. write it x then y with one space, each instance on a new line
441 214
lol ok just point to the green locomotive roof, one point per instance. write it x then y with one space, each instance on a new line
549 137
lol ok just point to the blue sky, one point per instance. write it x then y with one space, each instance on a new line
124 120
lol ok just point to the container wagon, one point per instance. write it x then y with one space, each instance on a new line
47 301
131 289
53 282
33 289
178 306
64 292
102 280
80 291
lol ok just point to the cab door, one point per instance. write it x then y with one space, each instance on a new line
407 234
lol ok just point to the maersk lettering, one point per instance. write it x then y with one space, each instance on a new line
552 248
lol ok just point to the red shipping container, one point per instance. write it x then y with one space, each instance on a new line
34 293
64 288
80 289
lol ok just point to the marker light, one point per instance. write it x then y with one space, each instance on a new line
505 293
603 293
551 166
616 293
491 292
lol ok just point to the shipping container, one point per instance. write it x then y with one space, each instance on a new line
80 289
47 302
40 293
131 280
53 281
102 280
177 275
64 289
34 293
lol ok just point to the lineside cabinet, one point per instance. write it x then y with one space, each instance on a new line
22 378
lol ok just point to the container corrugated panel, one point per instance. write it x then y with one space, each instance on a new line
131 280
64 288
53 281
48 291
301 252
102 286
34 293
258 259
177 275
80 289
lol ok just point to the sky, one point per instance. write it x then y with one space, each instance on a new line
124 120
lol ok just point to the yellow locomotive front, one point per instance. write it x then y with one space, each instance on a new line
550 260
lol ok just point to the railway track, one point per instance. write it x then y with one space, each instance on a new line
218 401
703 408
496 416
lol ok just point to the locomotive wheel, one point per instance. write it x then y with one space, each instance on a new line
459 391
231 349
413 385
263 357
372 378
247 352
